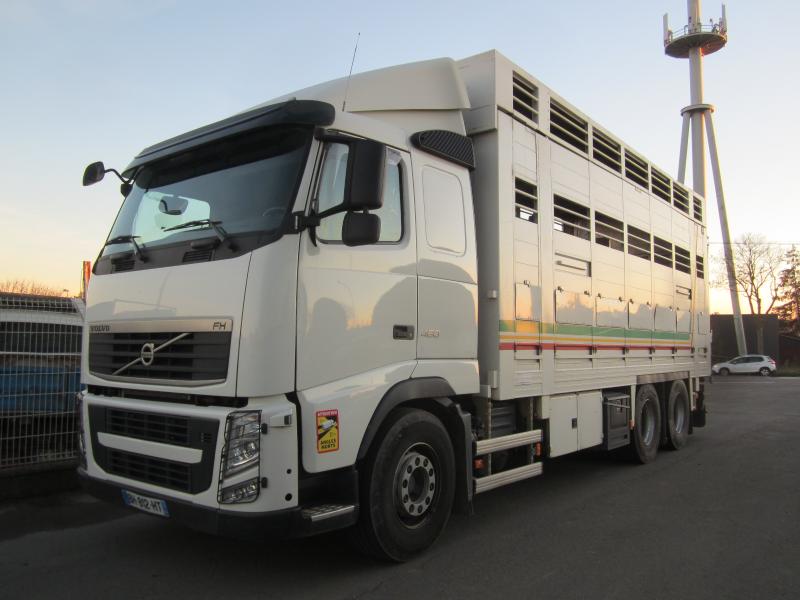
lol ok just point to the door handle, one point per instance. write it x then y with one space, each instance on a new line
403 332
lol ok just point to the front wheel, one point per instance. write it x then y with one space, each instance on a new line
765 372
407 487
724 372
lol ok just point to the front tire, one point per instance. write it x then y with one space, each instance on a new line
678 414
647 427
724 372
407 487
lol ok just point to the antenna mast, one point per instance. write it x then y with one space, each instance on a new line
352 62
694 41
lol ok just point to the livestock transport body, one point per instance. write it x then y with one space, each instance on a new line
363 303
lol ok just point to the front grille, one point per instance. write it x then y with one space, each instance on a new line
199 356
160 472
174 430
148 426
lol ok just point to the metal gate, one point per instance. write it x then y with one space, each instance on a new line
40 358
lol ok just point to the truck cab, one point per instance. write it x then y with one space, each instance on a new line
270 281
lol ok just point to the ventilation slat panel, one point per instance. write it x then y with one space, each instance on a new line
609 232
526 201
660 185
680 198
662 252
526 99
638 243
569 127
636 169
683 261
571 218
606 150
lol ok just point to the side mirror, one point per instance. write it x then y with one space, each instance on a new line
360 229
94 173
365 191
363 179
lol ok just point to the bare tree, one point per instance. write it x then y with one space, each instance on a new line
26 286
758 266
789 282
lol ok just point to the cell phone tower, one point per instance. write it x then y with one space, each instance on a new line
694 41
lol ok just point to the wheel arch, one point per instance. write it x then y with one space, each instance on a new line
433 395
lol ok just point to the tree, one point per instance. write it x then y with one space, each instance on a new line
757 264
25 286
789 293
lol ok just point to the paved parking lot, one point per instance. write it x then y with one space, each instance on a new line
719 519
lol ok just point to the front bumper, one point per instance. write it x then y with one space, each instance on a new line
279 524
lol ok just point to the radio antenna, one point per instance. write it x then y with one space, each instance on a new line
352 62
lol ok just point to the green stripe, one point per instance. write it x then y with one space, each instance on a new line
568 329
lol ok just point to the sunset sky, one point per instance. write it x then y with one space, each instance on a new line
86 80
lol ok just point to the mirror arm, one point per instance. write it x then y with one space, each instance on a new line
304 221
121 178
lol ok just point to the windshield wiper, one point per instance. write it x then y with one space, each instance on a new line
215 225
131 239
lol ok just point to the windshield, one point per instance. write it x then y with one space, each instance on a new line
244 184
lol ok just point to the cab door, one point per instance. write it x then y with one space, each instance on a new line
357 306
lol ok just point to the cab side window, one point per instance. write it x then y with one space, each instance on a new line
330 192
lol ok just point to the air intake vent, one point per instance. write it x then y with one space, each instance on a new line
526 99
662 252
698 208
682 261
660 185
197 255
567 126
606 150
122 264
680 198
636 169
526 201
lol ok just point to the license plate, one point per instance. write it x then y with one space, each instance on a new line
150 505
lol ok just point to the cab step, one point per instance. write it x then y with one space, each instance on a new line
506 442
490 482
326 511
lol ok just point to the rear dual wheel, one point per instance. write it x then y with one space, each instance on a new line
678 413
647 425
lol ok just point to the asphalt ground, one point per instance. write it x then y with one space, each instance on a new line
718 519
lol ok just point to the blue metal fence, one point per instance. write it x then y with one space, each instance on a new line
40 349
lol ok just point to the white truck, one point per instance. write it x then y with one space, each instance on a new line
363 303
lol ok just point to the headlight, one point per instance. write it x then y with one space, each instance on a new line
242 442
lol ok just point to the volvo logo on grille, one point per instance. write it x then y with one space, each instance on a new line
147 354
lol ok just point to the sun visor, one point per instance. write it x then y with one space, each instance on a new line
291 112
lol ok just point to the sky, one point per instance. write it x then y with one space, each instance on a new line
87 80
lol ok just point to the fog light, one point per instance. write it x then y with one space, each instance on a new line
242 442
240 493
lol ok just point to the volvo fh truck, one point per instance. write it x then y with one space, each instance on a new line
361 304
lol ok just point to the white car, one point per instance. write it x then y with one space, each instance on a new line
748 364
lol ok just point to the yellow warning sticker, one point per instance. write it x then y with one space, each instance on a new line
327 430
